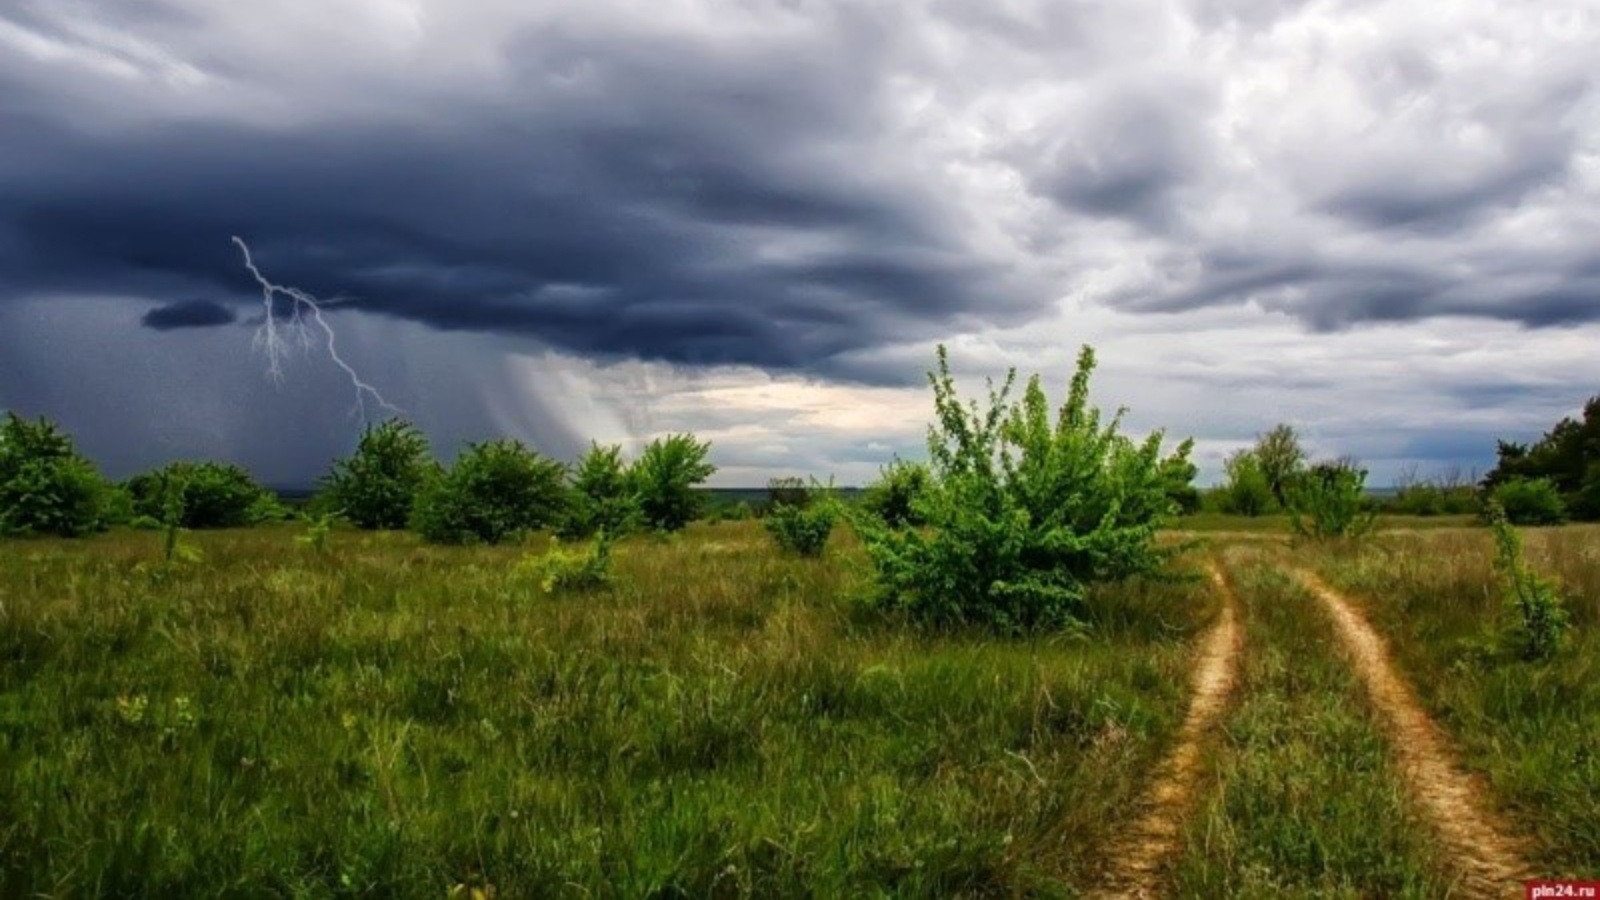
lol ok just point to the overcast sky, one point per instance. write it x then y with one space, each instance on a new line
754 220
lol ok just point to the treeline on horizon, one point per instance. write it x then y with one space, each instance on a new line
496 489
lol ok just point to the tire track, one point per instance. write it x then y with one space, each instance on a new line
1136 856
1490 859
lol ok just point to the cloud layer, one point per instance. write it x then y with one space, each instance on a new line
811 192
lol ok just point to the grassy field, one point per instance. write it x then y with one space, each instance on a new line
391 719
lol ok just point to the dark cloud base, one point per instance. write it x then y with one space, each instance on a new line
188 314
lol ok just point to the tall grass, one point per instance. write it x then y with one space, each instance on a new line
388 718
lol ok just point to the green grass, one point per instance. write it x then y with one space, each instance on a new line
1533 728
392 719
1301 798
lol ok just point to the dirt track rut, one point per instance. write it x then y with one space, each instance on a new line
1489 859
1137 855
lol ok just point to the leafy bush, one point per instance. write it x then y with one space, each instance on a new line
1247 492
561 571
894 497
602 498
665 476
1023 515
211 495
45 486
495 490
802 523
1330 501
1528 501
376 486
1538 620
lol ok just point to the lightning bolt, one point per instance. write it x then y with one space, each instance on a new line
275 340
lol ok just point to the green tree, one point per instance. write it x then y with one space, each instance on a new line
1024 511
603 498
495 490
665 477
1282 459
1248 491
376 486
45 486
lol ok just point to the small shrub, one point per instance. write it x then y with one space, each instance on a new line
1330 501
1528 501
1537 619
376 486
603 498
803 527
894 497
45 486
1024 509
495 490
562 571
665 477
318 527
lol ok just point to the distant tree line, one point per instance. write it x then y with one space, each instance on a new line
1555 479
494 489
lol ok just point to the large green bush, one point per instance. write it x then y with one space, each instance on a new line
1024 511
211 495
495 490
665 477
376 486
1528 501
45 486
603 498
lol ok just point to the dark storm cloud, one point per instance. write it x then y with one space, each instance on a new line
629 215
188 314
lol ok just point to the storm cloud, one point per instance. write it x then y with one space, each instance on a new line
805 190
